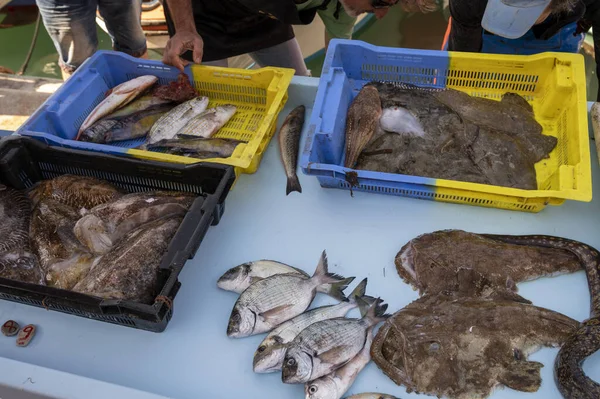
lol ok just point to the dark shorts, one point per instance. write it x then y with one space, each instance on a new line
72 26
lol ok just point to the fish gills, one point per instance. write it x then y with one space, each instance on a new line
361 123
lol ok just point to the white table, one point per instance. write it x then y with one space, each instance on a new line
194 358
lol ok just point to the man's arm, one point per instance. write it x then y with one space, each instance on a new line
466 31
186 37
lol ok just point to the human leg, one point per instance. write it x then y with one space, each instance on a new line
71 25
123 21
284 55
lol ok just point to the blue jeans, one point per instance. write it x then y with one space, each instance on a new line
72 26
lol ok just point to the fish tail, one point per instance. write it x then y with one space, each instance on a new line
376 312
336 284
358 297
293 184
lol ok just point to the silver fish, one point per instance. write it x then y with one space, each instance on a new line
170 123
222 148
139 104
371 395
105 224
130 270
326 346
289 141
239 278
271 351
336 384
119 96
209 122
274 300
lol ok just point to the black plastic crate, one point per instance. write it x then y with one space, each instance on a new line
24 161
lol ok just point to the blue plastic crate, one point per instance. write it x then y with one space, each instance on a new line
555 92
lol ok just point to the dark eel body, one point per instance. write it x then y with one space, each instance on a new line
568 367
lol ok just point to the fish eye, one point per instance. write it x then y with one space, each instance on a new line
291 361
261 348
313 389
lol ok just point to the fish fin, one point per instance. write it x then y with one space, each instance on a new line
293 184
358 291
376 312
332 355
515 99
334 283
522 376
275 312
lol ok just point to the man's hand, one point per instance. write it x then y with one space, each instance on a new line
179 44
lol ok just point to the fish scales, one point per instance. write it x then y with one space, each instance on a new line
170 123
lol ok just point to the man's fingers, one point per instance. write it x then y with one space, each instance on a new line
198 50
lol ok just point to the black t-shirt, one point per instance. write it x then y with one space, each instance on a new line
234 27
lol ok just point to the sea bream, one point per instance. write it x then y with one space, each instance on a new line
269 356
289 141
239 278
337 383
464 347
279 298
170 123
327 345
104 225
118 97
208 123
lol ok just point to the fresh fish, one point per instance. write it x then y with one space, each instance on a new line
327 345
568 368
512 115
276 299
464 347
595 118
400 120
17 261
129 127
209 122
468 263
63 260
337 383
104 225
238 278
170 123
76 191
223 148
140 104
361 123
289 141
270 353
119 96
130 270
371 395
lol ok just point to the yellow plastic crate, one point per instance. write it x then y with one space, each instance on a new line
553 83
259 96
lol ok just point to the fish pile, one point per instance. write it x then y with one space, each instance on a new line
85 235
445 134
470 331
172 118
320 347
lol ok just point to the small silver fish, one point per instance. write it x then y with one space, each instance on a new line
271 351
170 123
289 141
371 395
336 384
209 122
326 346
276 299
119 96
